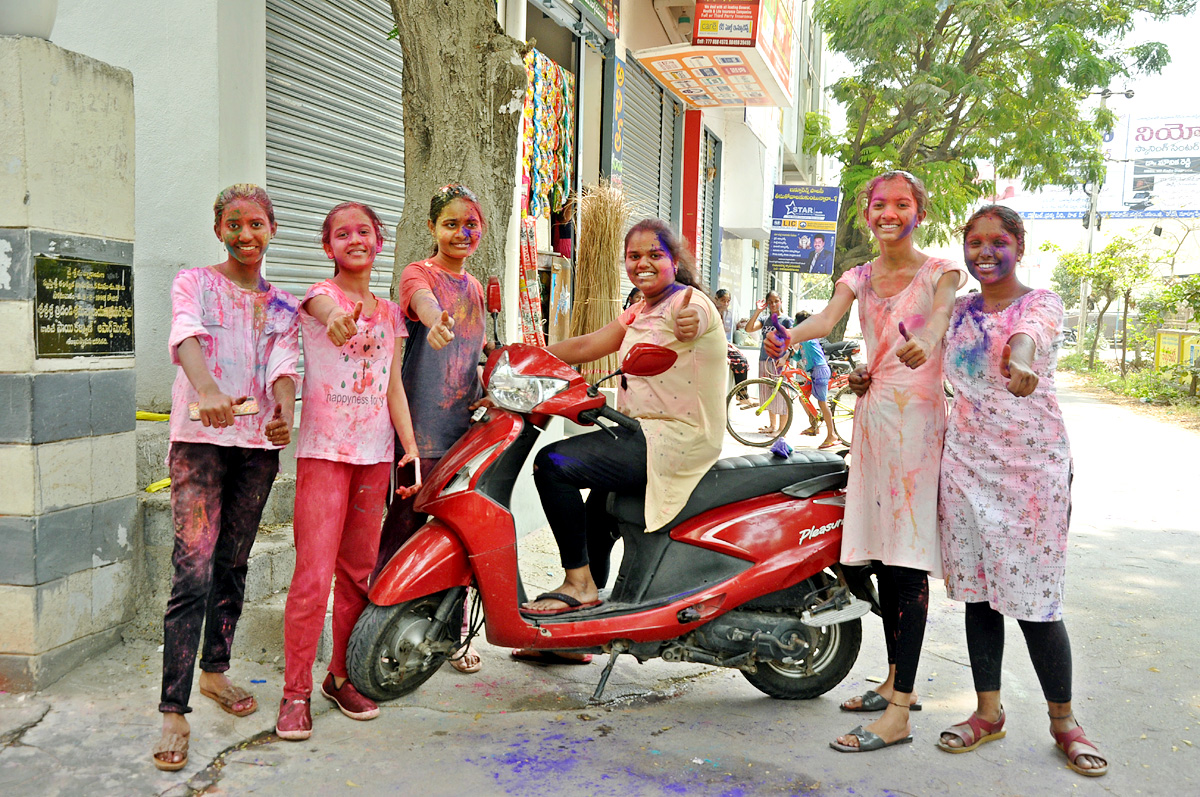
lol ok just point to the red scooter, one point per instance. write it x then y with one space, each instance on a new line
745 576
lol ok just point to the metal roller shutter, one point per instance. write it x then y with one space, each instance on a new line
648 149
708 214
335 132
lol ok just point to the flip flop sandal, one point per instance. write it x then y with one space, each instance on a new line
1074 744
461 664
871 700
867 742
170 743
229 697
573 604
548 657
973 732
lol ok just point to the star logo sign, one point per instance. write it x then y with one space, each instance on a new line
792 210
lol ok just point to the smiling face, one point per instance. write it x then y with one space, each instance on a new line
353 242
245 229
892 211
458 230
819 244
991 251
774 303
649 265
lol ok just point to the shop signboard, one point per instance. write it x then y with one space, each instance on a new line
82 307
740 55
1153 172
617 164
803 228
605 13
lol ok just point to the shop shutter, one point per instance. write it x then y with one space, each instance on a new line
648 149
335 132
705 249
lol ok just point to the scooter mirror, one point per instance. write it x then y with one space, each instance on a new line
646 359
493 294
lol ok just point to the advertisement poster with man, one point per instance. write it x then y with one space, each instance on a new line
803 229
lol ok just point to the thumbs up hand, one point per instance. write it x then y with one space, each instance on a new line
441 333
1021 379
279 429
915 352
341 326
687 318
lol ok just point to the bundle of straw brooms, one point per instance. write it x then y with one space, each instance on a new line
603 217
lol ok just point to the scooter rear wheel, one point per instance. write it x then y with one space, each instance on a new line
833 650
387 656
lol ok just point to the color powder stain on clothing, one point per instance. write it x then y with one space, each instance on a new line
972 359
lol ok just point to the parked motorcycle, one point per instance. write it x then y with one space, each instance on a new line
840 355
746 576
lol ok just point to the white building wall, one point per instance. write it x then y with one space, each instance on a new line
199 76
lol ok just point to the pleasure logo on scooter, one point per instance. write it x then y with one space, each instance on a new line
816 531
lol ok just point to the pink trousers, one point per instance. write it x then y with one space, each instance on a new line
339 510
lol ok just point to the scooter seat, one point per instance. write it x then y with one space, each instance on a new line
735 479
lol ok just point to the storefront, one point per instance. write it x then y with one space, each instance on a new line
335 129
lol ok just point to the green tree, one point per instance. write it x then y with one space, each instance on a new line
940 86
1115 271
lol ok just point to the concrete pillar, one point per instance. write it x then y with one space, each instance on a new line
67 408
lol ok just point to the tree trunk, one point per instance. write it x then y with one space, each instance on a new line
1099 330
463 86
1124 331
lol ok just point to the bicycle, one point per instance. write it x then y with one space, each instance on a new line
743 422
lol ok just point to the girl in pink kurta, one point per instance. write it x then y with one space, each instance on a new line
1005 495
353 399
904 300
236 341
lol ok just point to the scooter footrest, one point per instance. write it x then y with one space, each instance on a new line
833 615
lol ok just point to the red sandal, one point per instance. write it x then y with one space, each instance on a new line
974 732
1074 744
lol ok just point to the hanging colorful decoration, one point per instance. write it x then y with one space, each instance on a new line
548 151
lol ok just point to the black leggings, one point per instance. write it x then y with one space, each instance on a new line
904 601
1049 649
601 463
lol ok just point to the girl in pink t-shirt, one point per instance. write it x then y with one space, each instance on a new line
344 453
904 303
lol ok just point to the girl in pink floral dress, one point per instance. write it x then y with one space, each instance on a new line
904 300
1005 495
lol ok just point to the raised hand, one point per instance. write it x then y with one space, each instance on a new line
413 489
1021 379
441 333
687 318
278 430
915 352
341 326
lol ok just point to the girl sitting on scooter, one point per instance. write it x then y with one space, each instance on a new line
682 413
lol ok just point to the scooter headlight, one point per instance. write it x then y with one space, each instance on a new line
515 391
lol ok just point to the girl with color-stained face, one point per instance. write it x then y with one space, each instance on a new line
682 414
355 410
1005 488
235 339
443 309
904 302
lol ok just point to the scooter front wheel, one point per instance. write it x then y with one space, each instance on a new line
832 651
389 656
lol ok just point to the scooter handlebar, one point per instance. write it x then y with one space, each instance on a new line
605 411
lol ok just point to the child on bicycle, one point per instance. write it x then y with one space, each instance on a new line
812 357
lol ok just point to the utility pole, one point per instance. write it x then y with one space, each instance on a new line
1093 224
